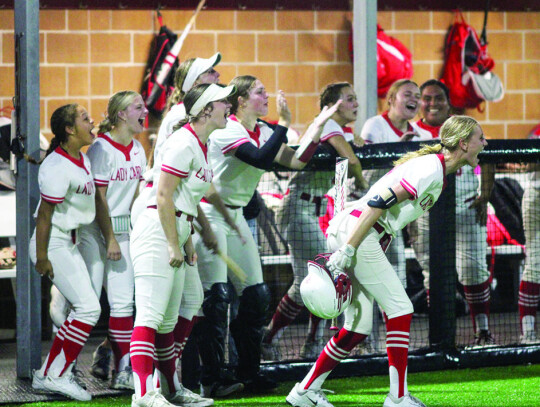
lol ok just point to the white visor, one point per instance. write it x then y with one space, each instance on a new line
199 66
211 94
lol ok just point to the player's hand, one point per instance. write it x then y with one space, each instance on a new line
44 267
113 250
326 114
358 141
340 260
283 110
176 257
191 254
361 183
480 204
408 136
209 239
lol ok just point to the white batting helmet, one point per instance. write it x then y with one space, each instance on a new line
323 296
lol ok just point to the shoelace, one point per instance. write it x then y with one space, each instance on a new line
320 393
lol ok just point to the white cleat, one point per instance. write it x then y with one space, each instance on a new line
406 401
308 398
150 399
186 398
66 385
37 380
123 380
528 338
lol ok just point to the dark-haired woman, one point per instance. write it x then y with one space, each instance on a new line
239 155
161 242
358 237
301 211
67 202
471 217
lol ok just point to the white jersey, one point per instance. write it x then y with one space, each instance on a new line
379 129
68 183
234 179
467 183
184 156
119 168
423 177
171 119
317 183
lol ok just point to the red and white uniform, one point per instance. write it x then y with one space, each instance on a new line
174 115
119 168
471 243
68 183
424 179
159 287
235 182
379 129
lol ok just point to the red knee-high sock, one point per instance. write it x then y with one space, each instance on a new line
287 310
529 296
477 296
56 347
74 340
142 352
120 330
182 330
397 347
166 363
314 322
337 349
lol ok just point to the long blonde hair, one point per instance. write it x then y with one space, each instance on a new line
179 78
117 103
453 130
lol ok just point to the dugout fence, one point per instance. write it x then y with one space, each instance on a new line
442 333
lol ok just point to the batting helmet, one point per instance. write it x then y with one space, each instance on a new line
323 295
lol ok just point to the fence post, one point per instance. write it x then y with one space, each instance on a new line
442 265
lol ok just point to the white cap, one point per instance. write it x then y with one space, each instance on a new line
199 66
211 94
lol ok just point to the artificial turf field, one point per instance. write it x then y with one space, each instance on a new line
508 386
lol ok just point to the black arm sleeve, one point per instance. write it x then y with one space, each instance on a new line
263 157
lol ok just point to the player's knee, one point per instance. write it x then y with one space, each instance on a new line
167 325
216 302
294 293
254 303
89 313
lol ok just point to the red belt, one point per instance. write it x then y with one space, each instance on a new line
385 239
317 200
178 214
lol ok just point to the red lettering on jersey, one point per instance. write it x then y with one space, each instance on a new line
125 174
86 189
426 203
135 172
205 174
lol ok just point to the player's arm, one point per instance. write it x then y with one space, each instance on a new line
487 180
105 225
166 210
207 234
342 258
344 149
43 232
309 142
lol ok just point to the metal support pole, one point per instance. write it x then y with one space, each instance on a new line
442 266
365 59
27 107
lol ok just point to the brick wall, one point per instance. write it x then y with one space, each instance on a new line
86 55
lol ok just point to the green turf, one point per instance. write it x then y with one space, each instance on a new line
509 386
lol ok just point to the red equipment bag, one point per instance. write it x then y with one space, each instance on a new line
467 67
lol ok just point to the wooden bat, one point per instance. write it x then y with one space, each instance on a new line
172 55
231 264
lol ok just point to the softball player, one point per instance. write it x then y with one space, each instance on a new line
117 162
393 126
471 217
529 288
358 237
161 242
301 208
239 155
67 202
